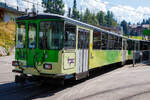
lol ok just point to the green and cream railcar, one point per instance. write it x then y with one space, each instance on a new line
53 46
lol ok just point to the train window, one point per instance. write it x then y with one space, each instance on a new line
104 41
50 35
120 43
128 44
70 36
32 35
20 35
83 39
96 39
129 47
111 40
141 45
116 43
124 44
137 45
148 45
145 46
133 45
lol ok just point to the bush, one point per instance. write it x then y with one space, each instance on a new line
7 35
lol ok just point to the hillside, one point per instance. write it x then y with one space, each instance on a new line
7 35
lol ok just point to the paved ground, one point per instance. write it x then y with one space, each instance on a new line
6 69
126 83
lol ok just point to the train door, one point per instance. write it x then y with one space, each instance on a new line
83 51
31 45
123 51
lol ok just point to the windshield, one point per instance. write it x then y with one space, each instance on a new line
50 35
20 35
32 36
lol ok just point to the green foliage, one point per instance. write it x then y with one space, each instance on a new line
75 12
146 21
101 18
124 24
110 21
146 32
69 12
54 6
87 16
96 19
7 34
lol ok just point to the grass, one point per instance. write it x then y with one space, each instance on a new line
7 35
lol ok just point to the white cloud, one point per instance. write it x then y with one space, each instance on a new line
66 9
121 12
93 5
130 14
12 3
2 0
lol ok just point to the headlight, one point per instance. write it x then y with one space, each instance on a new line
47 66
15 63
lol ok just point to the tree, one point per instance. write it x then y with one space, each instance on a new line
81 16
87 16
101 18
148 21
94 20
69 12
129 23
143 22
108 19
54 6
124 24
75 12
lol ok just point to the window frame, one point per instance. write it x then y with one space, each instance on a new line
100 40
105 41
66 48
84 32
44 41
35 36
16 39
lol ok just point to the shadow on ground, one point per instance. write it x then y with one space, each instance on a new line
32 91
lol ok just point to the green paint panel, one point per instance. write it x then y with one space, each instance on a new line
20 54
112 56
51 55
129 52
31 57
36 56
104 57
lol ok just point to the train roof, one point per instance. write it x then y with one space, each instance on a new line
70 20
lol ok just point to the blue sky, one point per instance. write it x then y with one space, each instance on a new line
129 10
